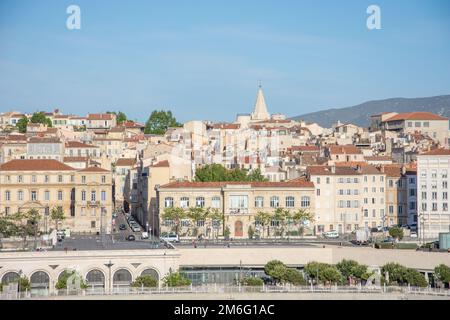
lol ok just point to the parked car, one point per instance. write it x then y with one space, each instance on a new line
131 237
413 234
122 227
331 234
374 230
172 237
144 235
136 228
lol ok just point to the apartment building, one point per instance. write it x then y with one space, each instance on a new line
411 189
45 148
84 195
396 195
101 121
348 198
432 187
433 125
238 202
345 153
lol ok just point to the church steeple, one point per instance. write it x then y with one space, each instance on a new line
260 111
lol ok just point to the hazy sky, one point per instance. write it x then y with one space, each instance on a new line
202 59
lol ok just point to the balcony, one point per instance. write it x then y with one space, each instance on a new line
238 211
93 203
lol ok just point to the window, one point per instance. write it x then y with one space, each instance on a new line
305 202
349 192
33 196
328 180
168 202
318 192
424 206
382 190
355 192
274 223
83 195
7 210
47 195
7 195
434 206
215 202
93 195
412 192
445 206
184 202
444 174
200 223
60 178
318 180
103 195
60 195
19 179
200 202
424 195
341 192
366 213
20 195
290 202
33 179
46 179
103 179
274 202
444 196
434 196
83 179
426 124
444 184
391 183
412 180
341 203
349 204
259 202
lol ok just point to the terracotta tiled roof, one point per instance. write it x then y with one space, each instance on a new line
393 170
132 124
304 148
75 159
415 116
93 169
287 184
346 149
226 126
343 171
378 158
44 140
99 116
437 152
161 164
117 129
78 144
125 162
16 137
35 165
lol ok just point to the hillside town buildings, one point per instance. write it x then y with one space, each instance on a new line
394 172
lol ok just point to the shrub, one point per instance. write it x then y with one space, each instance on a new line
396 232
176 279
442 273
402 275
62 280
293 276
252 281
145 281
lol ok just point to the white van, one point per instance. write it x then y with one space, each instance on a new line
331 234
171 238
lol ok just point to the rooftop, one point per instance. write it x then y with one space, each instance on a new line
35 165
416 116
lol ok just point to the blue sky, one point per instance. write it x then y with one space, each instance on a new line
202 59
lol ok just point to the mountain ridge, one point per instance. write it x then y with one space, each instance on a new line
360 114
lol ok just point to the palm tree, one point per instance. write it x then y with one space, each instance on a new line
264 219
196 214
280 215
175 215
300 217
215 215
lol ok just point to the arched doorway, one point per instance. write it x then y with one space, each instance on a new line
95 281
238 229
40 283
122 279
10 277
151 272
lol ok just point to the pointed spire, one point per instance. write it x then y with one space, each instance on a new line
260 111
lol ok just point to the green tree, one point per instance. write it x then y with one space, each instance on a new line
330 275
293 276
145 281
160 121
396 232
251 232
39 117
442 273
22 124
351 269
57 215
264 219
275 269
175 215
415 278
215 216
176 279
301 217
196 214
121 117
64 277
217 172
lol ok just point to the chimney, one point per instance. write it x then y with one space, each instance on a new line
403 170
